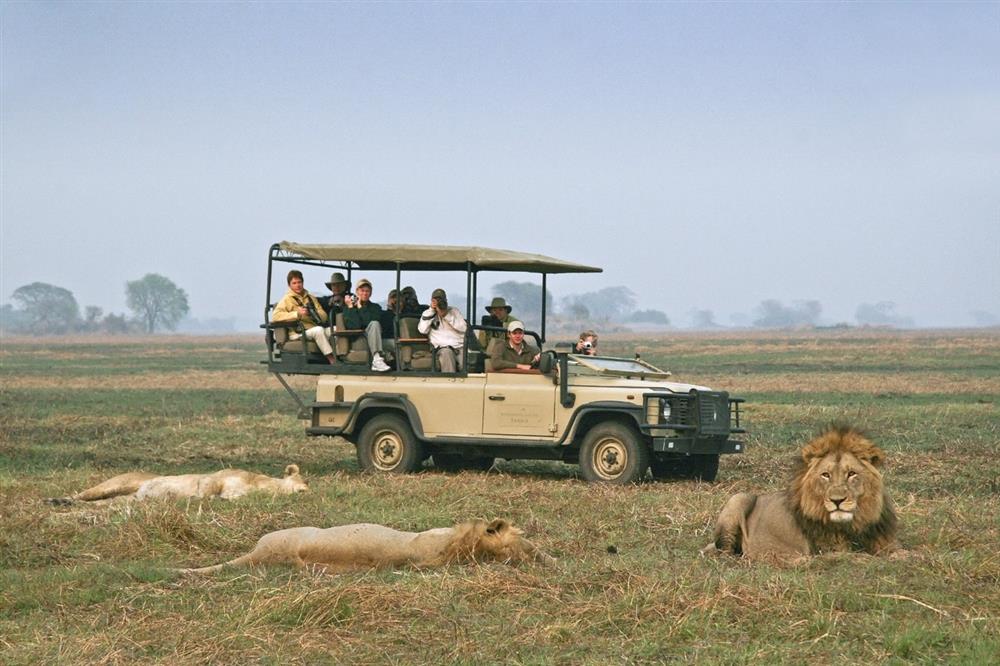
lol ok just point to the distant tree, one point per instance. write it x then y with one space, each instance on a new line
47 308
92 318
156 301
882 313
115 324
610 303
526 300
773 314
12 320
577 310
649 317
703 320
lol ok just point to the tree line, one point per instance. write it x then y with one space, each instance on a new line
156 303
40 308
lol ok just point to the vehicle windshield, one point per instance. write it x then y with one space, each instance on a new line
606 365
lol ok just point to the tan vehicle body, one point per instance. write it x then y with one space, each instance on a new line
494 405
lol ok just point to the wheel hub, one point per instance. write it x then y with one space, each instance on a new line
610 458
387 450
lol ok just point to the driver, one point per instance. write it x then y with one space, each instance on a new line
516 353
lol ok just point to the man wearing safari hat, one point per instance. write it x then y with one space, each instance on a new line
515 352
445 327
498 314
339 286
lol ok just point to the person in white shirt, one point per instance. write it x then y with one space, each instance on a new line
445 327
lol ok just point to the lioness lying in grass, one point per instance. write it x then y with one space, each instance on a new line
226 483
367 546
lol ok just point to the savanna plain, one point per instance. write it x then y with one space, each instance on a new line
93 584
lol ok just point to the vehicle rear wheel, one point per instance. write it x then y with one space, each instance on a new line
613 453
456 462
387 444
702 467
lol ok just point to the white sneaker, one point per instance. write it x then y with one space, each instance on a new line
378 365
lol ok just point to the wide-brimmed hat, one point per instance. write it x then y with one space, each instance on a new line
498 302
514 325
363 282
337 278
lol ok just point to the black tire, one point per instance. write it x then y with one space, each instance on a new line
387 444
455 462
702 467
613 453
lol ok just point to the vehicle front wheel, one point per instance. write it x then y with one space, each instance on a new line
613 453
387 444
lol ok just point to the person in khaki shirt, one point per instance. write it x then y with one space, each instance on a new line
299 305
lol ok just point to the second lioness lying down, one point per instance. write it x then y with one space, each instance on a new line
226 483
368 546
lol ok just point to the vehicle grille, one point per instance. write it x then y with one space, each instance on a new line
713 412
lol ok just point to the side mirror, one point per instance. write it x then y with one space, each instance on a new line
564 348
546 361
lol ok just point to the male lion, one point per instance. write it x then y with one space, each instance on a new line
368 546
226 483
836 502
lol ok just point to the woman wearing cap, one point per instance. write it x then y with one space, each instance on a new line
445 328
498 314
516 353
361 313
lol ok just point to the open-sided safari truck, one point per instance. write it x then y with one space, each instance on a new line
615 417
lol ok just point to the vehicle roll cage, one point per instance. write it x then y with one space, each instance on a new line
421 258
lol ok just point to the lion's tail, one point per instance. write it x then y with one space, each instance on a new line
239 561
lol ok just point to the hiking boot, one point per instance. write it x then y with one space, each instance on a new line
378 364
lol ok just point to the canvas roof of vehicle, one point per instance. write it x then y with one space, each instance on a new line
434 258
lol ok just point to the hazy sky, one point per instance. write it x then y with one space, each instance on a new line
706 155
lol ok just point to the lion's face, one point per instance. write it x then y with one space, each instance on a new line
501 541
839 482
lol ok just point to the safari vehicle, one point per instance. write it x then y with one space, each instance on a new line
615 417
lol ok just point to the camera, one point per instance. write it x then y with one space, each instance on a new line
588 345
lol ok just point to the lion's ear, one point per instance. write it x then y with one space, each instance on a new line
291 470
874 455
497 526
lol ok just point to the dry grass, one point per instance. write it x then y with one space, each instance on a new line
92 584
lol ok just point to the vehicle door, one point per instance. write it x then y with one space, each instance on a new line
520 404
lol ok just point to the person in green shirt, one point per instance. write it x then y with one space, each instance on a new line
361 313
514 352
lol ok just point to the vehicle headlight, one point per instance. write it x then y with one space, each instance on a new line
665 410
